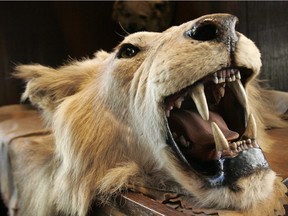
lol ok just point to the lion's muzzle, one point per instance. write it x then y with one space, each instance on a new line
210 126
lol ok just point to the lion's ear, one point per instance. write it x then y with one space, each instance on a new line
38 80
46 87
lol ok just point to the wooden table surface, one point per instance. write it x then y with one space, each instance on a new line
278 154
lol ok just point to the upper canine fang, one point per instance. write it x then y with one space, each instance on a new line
239 91
199 98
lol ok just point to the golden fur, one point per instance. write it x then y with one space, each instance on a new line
108 127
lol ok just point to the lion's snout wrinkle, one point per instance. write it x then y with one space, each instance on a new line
219 27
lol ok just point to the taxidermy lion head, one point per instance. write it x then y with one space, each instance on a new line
179 110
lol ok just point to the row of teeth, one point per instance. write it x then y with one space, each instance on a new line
237 146
230 76
243 145
248 139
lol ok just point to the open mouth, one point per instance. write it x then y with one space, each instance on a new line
210 127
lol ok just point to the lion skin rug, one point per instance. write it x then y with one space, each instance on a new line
180 111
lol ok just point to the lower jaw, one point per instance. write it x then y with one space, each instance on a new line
229 170
255 190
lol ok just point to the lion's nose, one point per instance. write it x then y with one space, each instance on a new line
220 27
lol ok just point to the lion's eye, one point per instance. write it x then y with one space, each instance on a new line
128 51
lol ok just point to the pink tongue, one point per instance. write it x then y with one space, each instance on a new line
198 130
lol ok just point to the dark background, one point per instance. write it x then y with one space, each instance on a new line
51 32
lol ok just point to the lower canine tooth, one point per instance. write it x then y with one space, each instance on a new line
199 98
219 138
251 129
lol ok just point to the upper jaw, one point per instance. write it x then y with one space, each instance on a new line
210 127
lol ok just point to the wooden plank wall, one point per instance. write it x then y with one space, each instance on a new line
270 32
51 32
